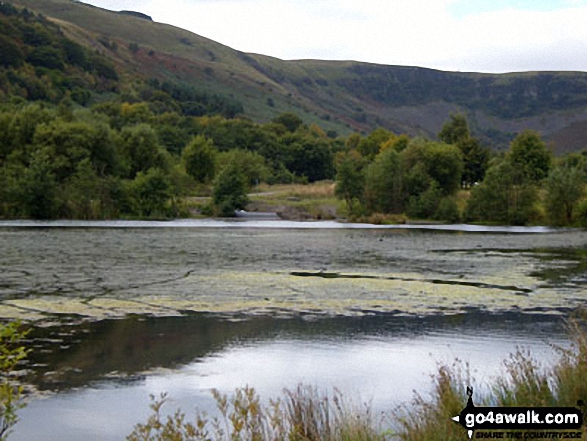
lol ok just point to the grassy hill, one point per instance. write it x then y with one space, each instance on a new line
340 96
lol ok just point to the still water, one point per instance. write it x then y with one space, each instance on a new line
101 382
124 310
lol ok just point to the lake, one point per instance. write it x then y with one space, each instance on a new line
121 310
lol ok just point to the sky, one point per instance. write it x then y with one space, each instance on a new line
491 36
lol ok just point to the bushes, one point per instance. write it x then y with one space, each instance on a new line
230 191
504 196
12 353
11 55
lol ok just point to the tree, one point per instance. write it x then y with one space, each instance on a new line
82 192
46 56
199 159
504 196
252 165
141 149
370 146
475 160
68 143
456 130
290 121
24 124
383 183
37 189
565 187
444 163
350 178
528 153
230 191
308 156
12 353
425 204
11 54
475 156
150 192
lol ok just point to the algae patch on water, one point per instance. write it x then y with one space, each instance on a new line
236 292
100 273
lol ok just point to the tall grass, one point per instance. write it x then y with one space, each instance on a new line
526 383
305 414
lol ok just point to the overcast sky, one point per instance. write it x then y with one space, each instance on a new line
464 35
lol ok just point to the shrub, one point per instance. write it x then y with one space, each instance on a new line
230 191
12 353
448 210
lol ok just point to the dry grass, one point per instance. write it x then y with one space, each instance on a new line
316 190
298 201
303 414
526 383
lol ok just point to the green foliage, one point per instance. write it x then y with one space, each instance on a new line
12 354
448 210
444 164
581 214
308 156
11 55
69 143
350 179
503 196
290 121
36 190
425 205
74 53
456 130
199 159
383 183
23 124
475 156
417 180
476 160
250 164
230 191
528 154
141 150
46 56
149 193
370 146
565 186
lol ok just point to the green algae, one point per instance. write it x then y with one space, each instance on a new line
99 274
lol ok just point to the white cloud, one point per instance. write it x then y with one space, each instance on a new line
405 32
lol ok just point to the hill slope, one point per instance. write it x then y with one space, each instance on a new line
340 96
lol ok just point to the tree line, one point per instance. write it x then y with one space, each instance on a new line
79 141
424 179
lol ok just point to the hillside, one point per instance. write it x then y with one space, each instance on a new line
339 96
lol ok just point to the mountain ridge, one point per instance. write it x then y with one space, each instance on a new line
342 96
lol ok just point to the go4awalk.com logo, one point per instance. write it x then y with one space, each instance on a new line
536 422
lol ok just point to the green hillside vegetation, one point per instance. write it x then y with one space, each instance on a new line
84 136
459 180
343 96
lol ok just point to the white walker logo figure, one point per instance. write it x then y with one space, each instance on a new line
551 419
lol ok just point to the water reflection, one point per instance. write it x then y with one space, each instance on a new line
107 370
281 224
75 356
